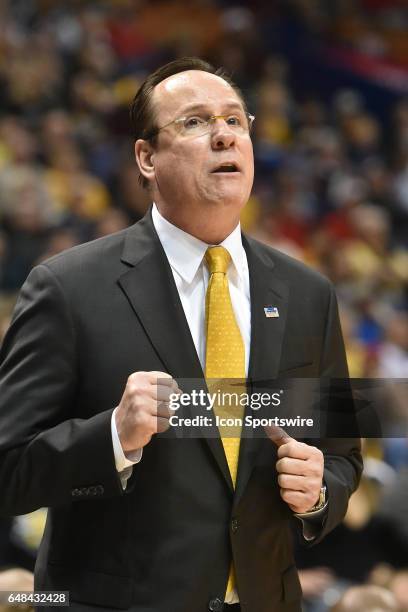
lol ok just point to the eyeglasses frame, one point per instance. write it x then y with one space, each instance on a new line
211 120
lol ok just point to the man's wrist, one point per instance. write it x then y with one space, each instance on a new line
319 507
122 460
322 500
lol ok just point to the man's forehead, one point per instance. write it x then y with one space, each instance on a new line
192 86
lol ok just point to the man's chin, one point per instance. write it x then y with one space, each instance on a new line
228 196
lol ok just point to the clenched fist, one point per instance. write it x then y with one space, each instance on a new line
300 470
144 408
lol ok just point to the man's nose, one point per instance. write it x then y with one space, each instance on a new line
222 136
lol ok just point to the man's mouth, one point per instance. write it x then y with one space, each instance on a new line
227 167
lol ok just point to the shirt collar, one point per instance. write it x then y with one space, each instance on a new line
185 252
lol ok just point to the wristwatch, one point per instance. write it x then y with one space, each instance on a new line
321 501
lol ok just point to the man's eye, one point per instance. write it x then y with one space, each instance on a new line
193 122
234 120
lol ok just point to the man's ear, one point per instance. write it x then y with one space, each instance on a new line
144 158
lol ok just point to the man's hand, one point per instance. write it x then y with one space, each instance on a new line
144 408
300 470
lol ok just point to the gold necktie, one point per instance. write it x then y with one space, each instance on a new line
225 356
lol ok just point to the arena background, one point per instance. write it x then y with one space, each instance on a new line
328 83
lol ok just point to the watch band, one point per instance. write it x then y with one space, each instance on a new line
321 501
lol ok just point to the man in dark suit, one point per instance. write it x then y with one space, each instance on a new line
139 518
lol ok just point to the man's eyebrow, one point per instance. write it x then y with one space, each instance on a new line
203 107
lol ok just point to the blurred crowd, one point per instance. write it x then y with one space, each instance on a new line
331 189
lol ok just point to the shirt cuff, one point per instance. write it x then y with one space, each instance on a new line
122 461
312 522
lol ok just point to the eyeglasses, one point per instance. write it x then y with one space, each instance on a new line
196 125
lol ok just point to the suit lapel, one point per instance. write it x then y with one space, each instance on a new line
267 334
150 288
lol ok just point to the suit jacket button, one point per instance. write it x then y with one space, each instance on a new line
215 605
234 525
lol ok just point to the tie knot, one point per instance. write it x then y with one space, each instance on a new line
218 259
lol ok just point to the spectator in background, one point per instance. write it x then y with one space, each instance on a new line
399 587
393 353
15 579
368 598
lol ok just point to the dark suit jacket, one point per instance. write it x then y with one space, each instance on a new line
84 321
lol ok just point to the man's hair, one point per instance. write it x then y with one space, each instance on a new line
142 114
